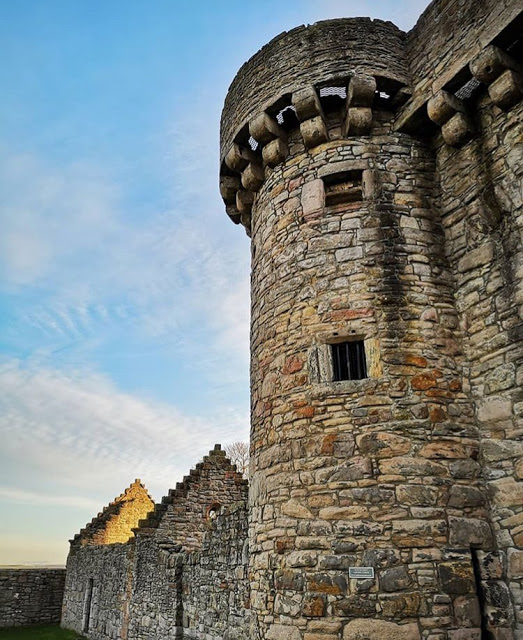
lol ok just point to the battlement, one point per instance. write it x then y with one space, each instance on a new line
430 81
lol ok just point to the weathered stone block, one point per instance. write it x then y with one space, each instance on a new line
283 632
358 121
263 129
507 90
372 629
313 197
491 63
314 132
361 90
466 532
306 103
443 106
458 130
253 177
515 563
467 611
494 409
275 152
478 257
383 445
244 201
229 185
457 577
395 579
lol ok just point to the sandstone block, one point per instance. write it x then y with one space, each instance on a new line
457 577
494 409
253 177
295 509
313 197
508 492
314 607
395 579
463 496
244 201
263 129
467 611
372 629
343 513
507 90
515 563
361 90
478 257
302 559
306 103
491 63
442 106
237 158
466 532
358 121
355 606
314 132
496 450
458 130
416 495
275 152
465 634
383 445
229 185
283 632
401 605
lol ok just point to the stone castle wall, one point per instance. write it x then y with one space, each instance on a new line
31 596
414 470
380 177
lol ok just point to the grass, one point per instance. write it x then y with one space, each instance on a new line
38 633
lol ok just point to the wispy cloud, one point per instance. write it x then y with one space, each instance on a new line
19 496
77 430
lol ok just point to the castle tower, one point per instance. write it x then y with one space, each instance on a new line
368 516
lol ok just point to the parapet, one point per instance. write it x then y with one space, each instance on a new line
290 81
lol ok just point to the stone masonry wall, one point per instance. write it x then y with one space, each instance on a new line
215 582
482 205
30 596
380 472
96 590
449 34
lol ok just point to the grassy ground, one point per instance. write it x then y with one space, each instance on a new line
38 633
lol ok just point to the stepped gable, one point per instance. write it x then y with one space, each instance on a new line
183 514
115 523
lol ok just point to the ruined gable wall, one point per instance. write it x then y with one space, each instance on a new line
107 566
185 511
30 596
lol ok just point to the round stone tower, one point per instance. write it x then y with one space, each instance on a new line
367 516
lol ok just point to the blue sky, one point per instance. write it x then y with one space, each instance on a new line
124 288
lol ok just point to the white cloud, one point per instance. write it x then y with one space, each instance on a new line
19 496
78 432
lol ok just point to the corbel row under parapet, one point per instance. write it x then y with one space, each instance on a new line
494 68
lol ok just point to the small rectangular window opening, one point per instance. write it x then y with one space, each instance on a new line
343 187
348 360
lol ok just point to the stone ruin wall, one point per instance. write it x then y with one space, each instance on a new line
31 596
156 586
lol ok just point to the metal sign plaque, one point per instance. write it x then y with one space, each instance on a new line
361 573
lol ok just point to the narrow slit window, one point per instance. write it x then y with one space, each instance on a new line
343 187
87 605
348 360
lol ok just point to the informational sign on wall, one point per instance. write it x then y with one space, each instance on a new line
361 573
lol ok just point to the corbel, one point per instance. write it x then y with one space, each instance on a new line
310 114
360 96
497 69
450 114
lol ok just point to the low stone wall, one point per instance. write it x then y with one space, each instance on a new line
30 596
